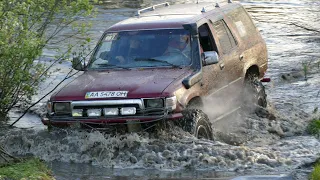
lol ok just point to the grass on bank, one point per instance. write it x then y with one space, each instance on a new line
27 169
314 127
315 174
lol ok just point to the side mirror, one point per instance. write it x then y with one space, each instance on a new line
210 57
77 64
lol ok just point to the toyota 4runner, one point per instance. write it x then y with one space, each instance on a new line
161 64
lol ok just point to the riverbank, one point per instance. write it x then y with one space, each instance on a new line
32 168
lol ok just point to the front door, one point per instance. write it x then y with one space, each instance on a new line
226 84
212 79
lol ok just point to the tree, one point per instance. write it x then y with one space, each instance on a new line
26 28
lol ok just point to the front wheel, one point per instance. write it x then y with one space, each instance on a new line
196 123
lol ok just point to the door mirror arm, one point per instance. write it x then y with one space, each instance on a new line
209 57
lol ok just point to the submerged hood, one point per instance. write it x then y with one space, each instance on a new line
138 83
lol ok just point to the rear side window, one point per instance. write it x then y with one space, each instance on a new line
242 22
225 37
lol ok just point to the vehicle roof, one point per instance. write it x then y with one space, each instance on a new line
169 17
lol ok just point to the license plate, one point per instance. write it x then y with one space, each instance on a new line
106 94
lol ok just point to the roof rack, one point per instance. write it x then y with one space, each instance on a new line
205 8
229 1
151 8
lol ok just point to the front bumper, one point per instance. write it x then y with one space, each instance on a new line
67 121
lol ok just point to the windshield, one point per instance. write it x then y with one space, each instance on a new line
147 48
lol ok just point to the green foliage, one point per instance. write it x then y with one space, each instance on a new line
315 174
314 127
29 169
305 68
26 28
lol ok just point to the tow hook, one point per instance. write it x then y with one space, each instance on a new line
265 80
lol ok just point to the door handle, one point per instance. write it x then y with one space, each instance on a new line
241 57
221 66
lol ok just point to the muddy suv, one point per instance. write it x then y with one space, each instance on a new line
161 65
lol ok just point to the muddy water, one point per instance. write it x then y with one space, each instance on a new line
253 144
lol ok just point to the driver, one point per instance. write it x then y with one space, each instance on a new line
134 51
178 44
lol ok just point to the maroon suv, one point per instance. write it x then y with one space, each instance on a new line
161 62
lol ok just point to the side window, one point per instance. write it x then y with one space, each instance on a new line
242 22
226 39
205 37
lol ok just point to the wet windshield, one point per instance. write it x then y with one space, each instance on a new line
147 48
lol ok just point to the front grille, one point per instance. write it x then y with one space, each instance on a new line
137 103
85 108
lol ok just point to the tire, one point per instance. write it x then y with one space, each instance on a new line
254 92
196 123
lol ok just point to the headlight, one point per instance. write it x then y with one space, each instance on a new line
128 111
111 111
154 103
77 112
62 107
171 103
94 112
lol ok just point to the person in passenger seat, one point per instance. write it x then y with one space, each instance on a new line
178 44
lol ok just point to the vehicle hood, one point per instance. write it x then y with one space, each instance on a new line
139 83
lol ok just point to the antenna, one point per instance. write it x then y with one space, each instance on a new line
151 8
217 4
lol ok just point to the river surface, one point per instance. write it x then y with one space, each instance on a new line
252 145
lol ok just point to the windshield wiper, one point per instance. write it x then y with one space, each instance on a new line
156 60
113 65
